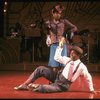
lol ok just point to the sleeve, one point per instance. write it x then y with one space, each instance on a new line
59 58
88 79
47 27
71 26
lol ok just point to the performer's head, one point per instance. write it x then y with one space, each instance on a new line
75 52
57 11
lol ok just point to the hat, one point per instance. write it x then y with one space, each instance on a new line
77 49
58 8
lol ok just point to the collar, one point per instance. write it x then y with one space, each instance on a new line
77 61
57 23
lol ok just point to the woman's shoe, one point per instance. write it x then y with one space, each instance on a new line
21 87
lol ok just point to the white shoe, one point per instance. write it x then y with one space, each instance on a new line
21 87
32 86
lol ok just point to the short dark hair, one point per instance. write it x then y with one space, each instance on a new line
58 8
54 10
60 5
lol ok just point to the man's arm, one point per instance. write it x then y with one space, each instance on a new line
58 57
89 82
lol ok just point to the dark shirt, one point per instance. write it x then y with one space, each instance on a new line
58 29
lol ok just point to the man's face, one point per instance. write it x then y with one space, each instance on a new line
57 16
73 55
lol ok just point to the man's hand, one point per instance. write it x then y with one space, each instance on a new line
95 92
61 42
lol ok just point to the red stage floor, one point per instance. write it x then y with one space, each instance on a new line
9 79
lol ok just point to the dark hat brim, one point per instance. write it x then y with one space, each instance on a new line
77 49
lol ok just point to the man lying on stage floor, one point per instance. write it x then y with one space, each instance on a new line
64 78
